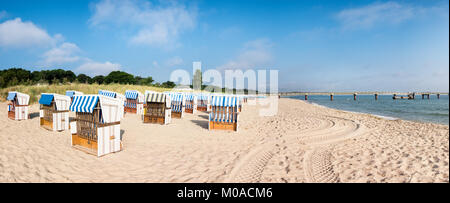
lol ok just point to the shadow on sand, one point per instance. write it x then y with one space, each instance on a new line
201 123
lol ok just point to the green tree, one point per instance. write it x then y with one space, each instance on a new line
99 79
120 77
83 78
168 84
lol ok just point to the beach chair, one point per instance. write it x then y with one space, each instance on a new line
96 127
18 106
191 103
72 93
134 102
178 101
204 102
224 113
158 109
111 94
54 111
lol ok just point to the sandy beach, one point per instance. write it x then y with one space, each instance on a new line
302 143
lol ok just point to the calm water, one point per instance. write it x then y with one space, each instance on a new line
432 110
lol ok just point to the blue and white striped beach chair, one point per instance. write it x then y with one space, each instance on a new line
134 102
96 128
191 103
204 102
224 112
178 102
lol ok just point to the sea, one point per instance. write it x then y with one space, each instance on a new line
425 110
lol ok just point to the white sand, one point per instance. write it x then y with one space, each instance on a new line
302 143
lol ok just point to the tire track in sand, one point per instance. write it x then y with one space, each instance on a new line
317 161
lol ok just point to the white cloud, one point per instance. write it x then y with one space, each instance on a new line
255 54
16 33
95 68
174 61
65 53
369 16
156 25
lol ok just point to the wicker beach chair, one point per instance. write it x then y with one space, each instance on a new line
178 101
158 109
96 128
134 102
204 102
191 103
18 106
224 113
54 111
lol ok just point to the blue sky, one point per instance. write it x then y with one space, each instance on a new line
316 45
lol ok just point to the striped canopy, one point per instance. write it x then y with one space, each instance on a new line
204 97
176 96
84 103
225 100
190 97
107 93
132 94
156 97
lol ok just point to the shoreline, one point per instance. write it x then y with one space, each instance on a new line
302 143
373 114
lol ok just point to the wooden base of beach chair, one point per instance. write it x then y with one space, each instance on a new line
222 126
176 114
130 110
46 124
12 115
84 144
154 119
189 110
202 108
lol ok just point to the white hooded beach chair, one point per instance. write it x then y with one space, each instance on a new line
178 101
111 94
96 129
134 102
204 102
191 103
224 113
54 111
18 106
158 109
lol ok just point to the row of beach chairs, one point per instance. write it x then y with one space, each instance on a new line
96 126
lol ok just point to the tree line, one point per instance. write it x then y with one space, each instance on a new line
19 76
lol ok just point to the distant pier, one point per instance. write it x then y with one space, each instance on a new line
395 95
